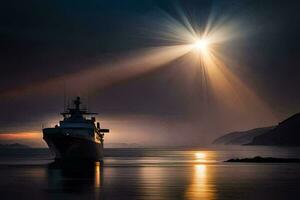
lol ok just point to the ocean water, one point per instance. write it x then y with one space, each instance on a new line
150 174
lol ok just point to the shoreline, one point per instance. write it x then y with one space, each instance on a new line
259 159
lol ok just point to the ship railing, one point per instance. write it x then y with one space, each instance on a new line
49 125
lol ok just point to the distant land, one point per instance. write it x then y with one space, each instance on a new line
13 146
286 133
241 137
121 145
259 159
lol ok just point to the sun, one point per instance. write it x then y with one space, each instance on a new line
201 45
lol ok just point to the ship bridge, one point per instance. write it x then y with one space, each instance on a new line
74 117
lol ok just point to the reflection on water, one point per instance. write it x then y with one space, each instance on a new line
97 175
148 182
200 187
75 177
152 178
149 174
204 157
200 155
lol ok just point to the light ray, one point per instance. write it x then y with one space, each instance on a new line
230 93
109 73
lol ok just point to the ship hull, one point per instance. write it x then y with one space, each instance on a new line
67 147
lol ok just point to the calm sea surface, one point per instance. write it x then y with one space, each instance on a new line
150 174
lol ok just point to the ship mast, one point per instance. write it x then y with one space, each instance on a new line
77 110
77 103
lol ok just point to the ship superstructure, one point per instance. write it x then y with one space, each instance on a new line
76 136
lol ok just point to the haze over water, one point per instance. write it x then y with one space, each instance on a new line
154 173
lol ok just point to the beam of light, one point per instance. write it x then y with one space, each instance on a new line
109 73
231 94
222 89
227 93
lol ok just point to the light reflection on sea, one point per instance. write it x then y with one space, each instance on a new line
150 174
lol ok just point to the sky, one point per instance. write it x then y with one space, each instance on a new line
130 61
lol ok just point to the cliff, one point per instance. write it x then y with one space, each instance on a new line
241 137
286 133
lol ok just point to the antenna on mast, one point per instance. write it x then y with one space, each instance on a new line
65 91
88 101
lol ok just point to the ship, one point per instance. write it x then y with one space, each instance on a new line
78 136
